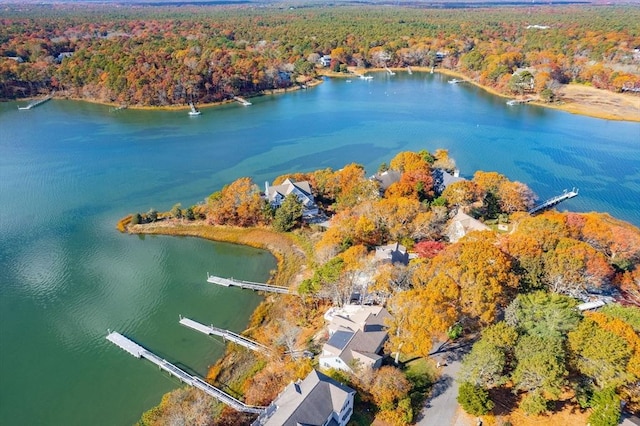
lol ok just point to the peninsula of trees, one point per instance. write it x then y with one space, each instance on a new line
162 56
482 269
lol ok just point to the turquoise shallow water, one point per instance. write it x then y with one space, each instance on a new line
69 170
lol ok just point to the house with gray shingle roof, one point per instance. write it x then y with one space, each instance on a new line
318 400
276 194
356 337
386 179
461 224
442 179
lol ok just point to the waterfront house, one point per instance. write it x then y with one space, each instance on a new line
386 179
442 179
356 337
325 60
276 194
461 224
316 400
392 253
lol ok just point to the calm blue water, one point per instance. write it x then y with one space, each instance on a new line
69 170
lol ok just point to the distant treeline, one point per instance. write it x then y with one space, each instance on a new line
171 55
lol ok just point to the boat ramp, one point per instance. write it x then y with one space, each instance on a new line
140 352
230 282
226 335
554 200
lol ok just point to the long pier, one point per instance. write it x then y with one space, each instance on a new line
226 335
140 352
35 103
555 200
229 282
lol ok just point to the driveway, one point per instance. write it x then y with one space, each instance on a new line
441 407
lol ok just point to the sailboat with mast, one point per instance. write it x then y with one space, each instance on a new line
194 111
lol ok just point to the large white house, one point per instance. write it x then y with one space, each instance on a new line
356 337
276 194
318 400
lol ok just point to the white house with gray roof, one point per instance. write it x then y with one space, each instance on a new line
356 337
276 194
318 400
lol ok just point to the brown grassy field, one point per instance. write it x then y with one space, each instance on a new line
585 100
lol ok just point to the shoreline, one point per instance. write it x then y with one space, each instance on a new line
291 258
569 94
574 98
292 265
186 107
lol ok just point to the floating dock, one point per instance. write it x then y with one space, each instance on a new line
555 200
226 335
230 282
140 352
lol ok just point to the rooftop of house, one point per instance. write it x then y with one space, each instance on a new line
442 179
357 333
287 187
394 252
387 178
309 402
461 224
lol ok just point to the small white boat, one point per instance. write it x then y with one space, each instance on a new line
366 77
194 111
455 81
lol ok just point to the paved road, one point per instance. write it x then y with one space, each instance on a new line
442 407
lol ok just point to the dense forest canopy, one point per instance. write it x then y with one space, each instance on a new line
171 55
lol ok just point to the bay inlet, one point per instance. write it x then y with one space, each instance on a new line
69 170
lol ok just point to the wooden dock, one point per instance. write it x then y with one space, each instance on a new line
140 352
35 103
554 200
226 335
230 282
241 101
